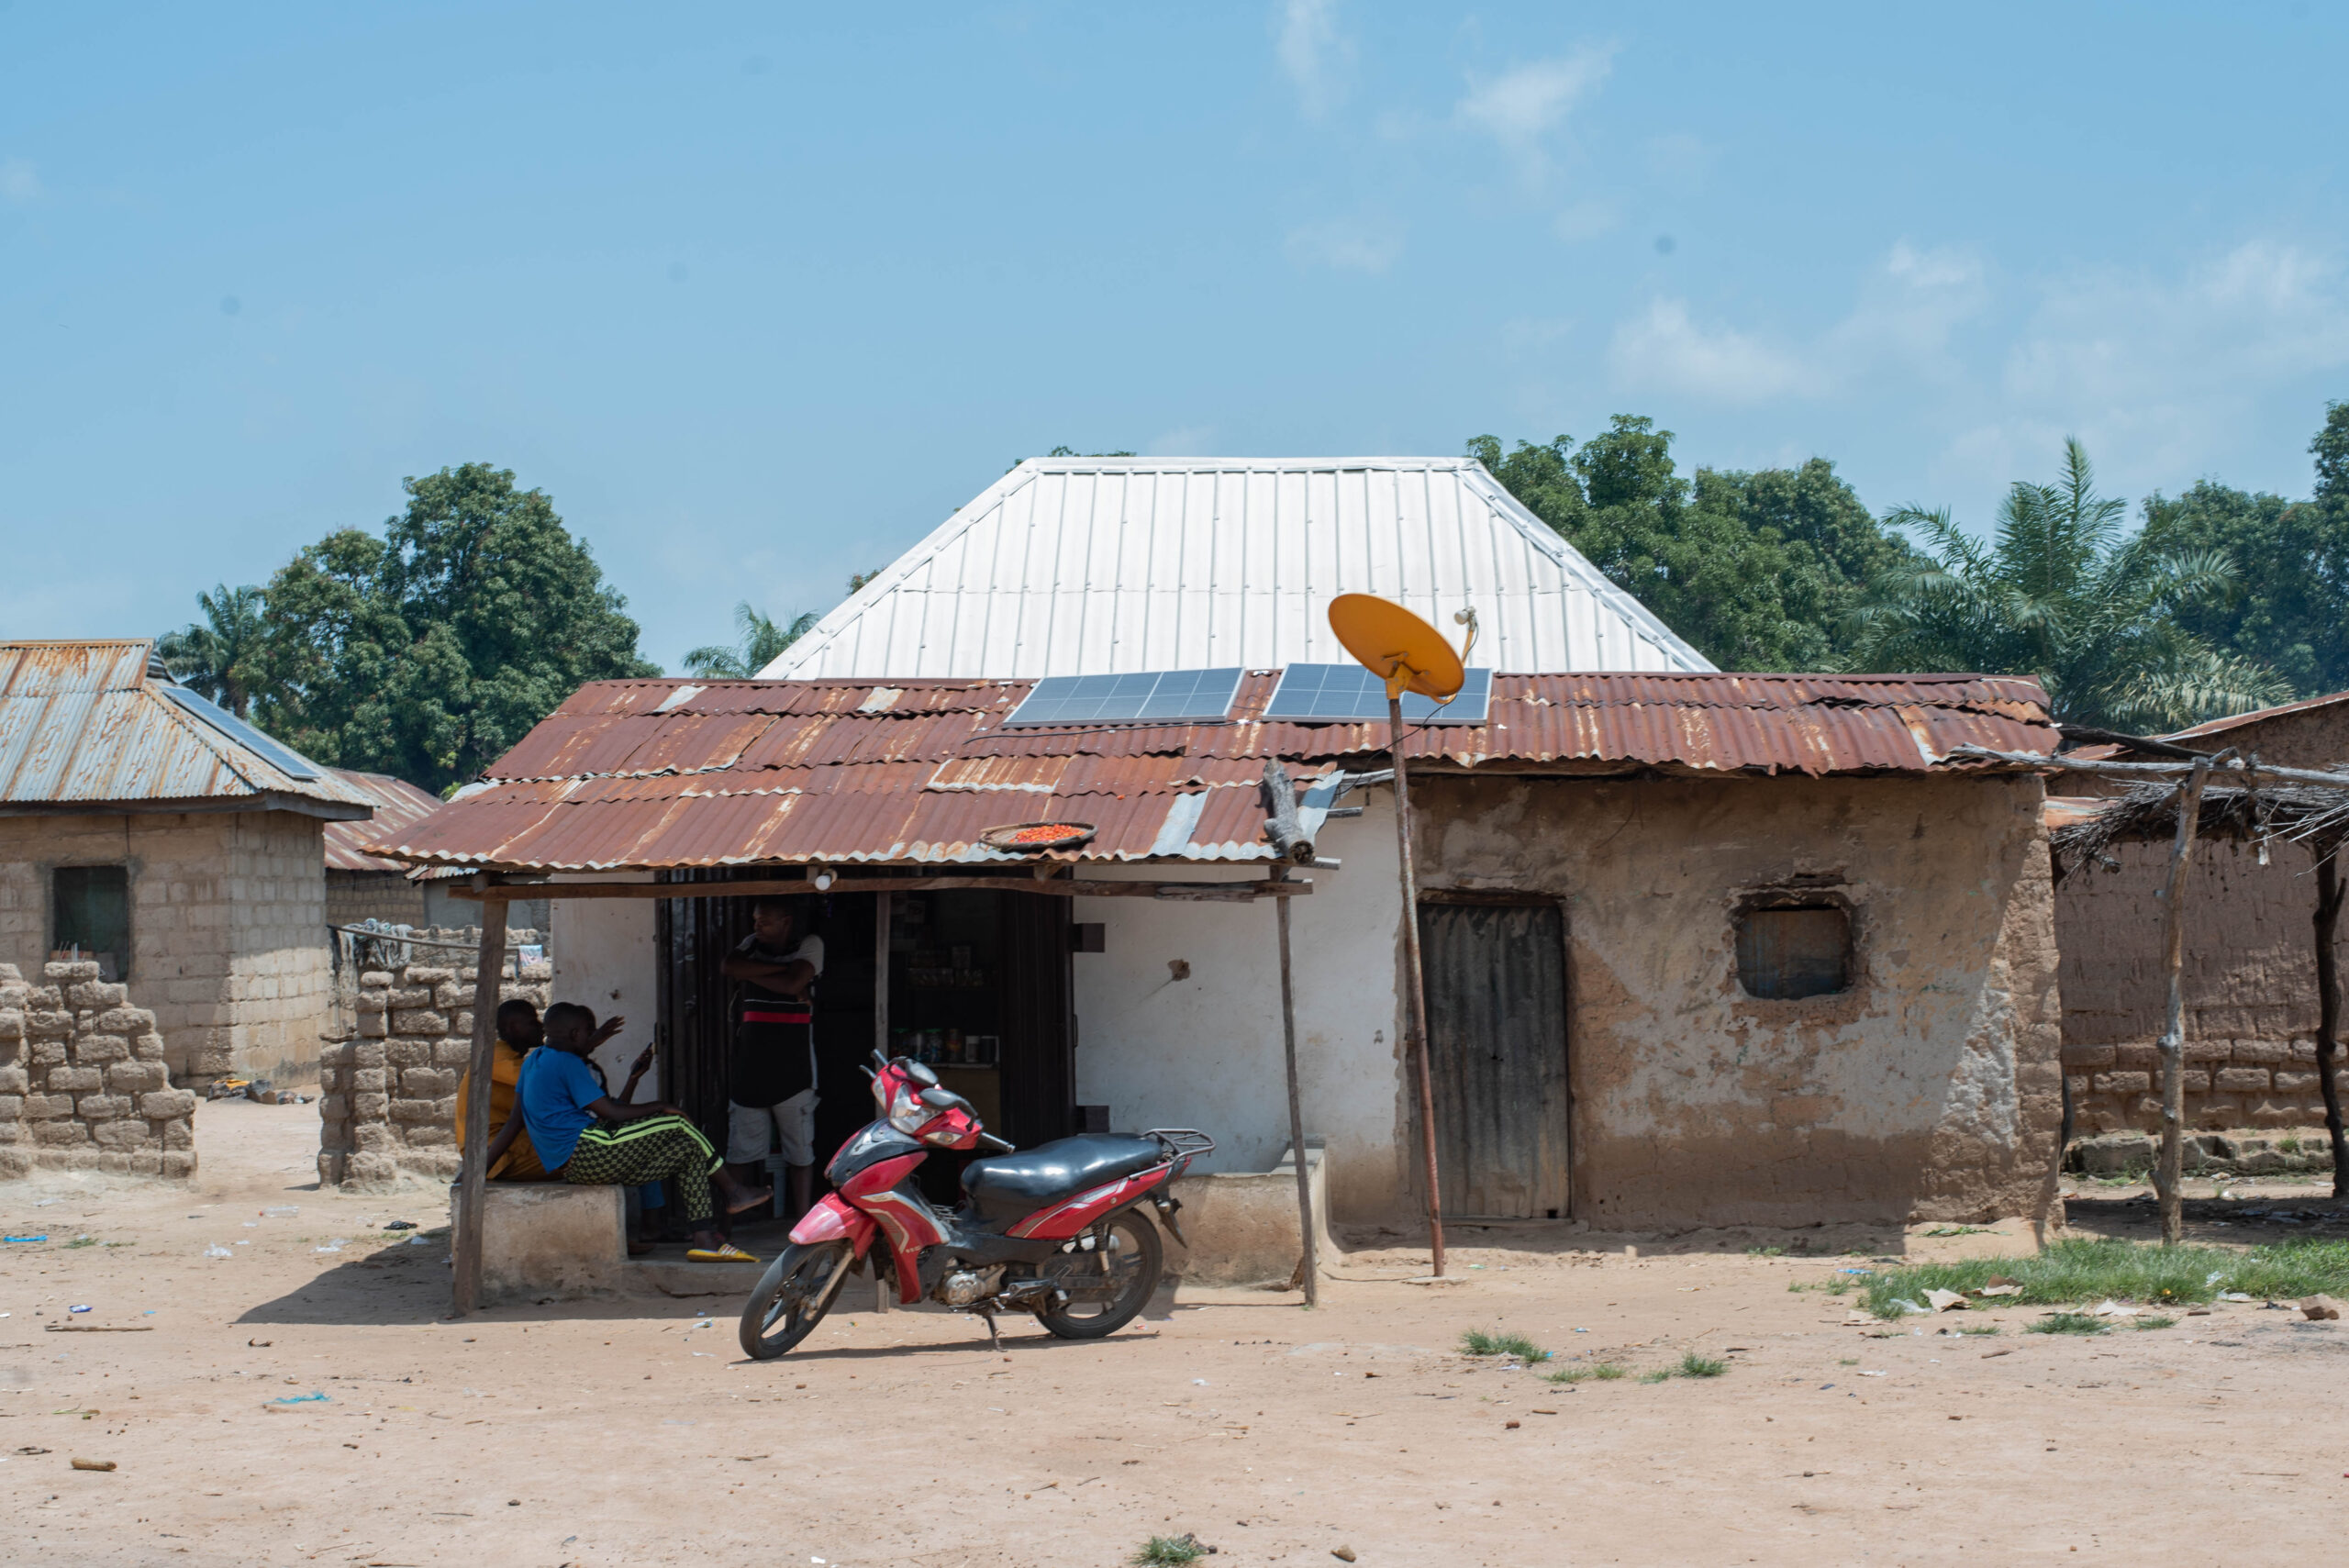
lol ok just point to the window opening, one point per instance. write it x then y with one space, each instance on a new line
93 917
1790 953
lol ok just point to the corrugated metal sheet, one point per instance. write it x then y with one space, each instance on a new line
85 721
817 771
399 806
1069 566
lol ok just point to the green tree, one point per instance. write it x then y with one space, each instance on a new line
1757 570
759 641
430 651
220 657
2290 610
2065 592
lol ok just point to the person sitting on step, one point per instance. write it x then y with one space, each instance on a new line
587 1138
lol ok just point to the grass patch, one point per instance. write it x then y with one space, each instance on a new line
1169 1552
1977 1329
1693 1365
2127 1271
1662 1376
2066 1323
2143 1323
1476 1342
1598 1371
1941 1230
81 1241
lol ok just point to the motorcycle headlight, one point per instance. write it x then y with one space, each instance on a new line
907 1112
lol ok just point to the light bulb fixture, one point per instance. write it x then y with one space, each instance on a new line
823 879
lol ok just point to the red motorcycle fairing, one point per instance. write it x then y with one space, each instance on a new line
1069 1216
902 1215
831 1220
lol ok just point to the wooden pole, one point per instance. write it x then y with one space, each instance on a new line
473 1191
2172 1169
881 913
1309 1265
1415 1044
2329 892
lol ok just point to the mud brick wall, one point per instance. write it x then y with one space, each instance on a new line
2250 986
82 1081
388 1101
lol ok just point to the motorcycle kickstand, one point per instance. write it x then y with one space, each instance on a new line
995 1339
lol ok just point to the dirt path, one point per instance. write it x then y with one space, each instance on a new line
625 1434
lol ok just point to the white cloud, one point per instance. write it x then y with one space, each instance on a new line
1907 312
1348 245
1313 54
17 181
1523 106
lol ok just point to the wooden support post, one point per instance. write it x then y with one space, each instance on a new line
1310 1264
2171 1170
473 1191
1415 1044
881 913
2329 892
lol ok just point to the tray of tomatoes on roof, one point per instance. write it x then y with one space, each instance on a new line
1035 838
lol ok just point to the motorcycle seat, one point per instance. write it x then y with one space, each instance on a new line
1009 1187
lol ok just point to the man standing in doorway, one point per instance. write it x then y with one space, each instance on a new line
771 1075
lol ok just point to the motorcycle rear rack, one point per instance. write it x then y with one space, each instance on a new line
1182 1141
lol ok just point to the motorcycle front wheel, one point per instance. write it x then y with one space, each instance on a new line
793 1295
1119 1270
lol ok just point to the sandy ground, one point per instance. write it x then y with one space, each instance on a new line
629 1433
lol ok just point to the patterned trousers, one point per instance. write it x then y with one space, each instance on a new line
657 1149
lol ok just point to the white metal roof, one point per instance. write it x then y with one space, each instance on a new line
1070 566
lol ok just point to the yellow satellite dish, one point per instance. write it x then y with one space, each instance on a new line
1396 646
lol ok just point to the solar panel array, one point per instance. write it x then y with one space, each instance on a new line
1339 694
1161 696
291 763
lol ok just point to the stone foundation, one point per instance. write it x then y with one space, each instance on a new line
388 1103
82 1083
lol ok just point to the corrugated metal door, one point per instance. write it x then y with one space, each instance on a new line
1496 1021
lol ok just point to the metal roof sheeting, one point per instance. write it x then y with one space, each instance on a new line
399 806
625 776
1094 566
85 721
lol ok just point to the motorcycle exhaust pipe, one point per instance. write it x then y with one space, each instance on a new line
1167 1206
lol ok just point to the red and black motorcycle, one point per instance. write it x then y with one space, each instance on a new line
1057 1231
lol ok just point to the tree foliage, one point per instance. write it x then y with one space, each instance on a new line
1757 570
2290 610
428 651
220 657
759 639
2064 591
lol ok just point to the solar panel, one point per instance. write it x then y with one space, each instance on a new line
1338 694
291 763
1164 696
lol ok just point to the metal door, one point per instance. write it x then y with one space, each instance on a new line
1496 1020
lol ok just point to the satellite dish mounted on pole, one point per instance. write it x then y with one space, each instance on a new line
1410 655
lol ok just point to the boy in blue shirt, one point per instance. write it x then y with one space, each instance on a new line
585 1137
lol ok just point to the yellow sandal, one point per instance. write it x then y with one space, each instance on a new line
727 1253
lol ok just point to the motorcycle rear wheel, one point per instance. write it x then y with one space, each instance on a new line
791 1298
1136 1259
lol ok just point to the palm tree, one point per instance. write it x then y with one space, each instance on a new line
761 640
219 656
2064 593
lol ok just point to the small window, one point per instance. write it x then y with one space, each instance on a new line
93 917
1784 954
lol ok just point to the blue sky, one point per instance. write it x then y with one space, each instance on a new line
761 294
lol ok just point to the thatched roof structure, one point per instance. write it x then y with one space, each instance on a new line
2309 814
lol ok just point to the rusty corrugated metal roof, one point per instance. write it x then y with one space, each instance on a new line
665 773
85 722
399 806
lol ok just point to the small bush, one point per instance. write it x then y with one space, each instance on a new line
1693 1365
2066 1323
1598 1371
1169 1552
1476 1342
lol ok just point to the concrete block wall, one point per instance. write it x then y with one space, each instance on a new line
84 1085
228 928
387 1102
387 896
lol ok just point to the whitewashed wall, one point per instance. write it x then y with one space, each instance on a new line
1205 1051
606 960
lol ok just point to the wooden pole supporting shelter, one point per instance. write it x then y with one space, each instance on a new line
2329 891
881 914
1415 1045
1308 1266
473 1191
2171 1169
